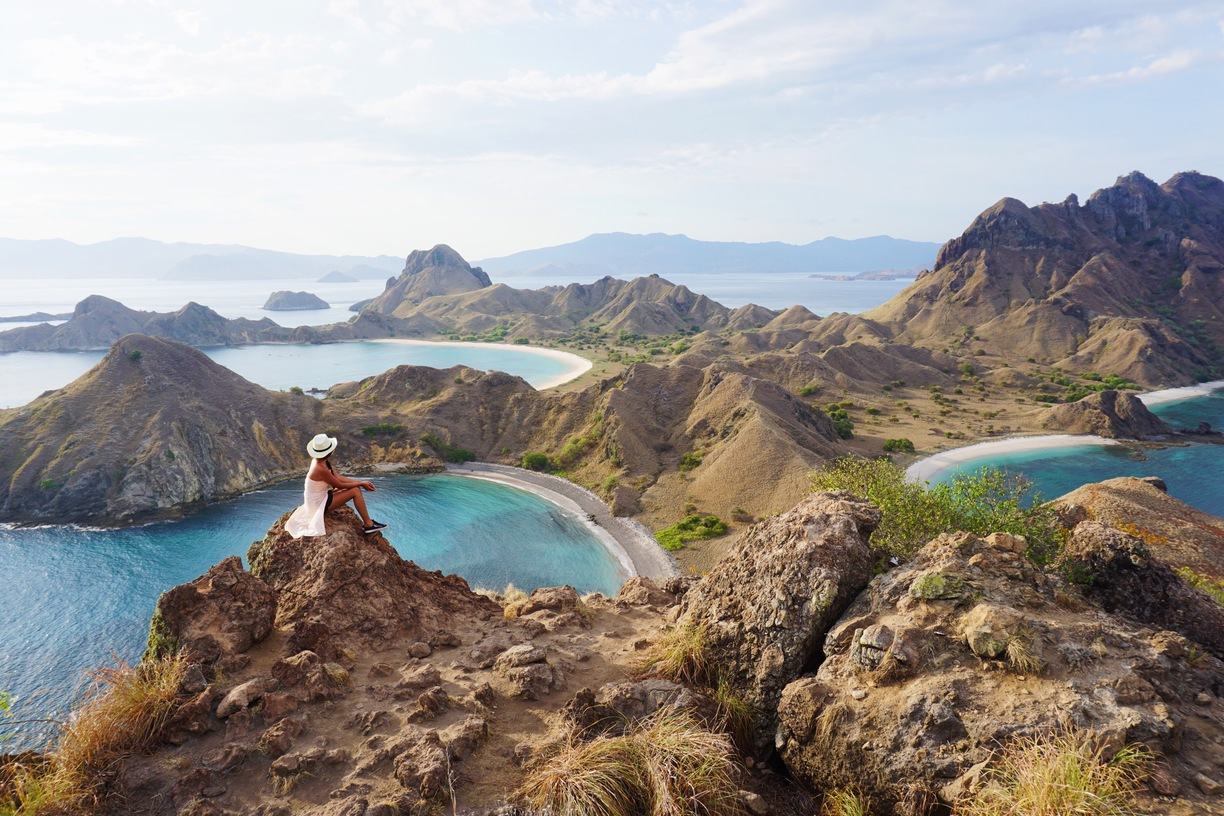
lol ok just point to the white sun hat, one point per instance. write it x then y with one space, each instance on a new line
321 446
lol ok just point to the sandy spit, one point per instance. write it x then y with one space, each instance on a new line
629 541
926 468
1173 394
576 365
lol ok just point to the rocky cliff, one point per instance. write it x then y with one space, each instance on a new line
1110 414
1128 282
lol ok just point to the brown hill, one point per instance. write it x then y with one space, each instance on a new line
97 322
1127 283
1110 414
155 427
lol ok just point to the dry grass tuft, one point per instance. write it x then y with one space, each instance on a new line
124 713
1024 652
666 765
845 802
682 655
1057 776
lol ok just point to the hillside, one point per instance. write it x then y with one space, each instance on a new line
1129 282
622 254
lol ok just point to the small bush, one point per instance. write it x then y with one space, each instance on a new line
447 451
689 461
988 501
1210 587
901 445
693 528
536 461
809 389
134 355
383 429
296 389
1055 775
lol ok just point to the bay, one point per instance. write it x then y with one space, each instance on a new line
76 597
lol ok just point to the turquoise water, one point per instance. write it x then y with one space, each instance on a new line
27 374
1192 472
74 597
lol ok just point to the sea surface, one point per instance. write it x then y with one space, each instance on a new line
76 599
1191 470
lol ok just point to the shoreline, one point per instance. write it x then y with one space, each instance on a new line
932 465
630 542
1184 392
929 466
577 365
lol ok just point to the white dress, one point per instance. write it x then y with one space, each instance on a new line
307 519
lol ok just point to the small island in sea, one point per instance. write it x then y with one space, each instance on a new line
284 301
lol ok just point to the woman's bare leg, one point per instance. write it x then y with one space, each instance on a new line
340 497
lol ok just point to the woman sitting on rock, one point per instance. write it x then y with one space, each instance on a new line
326 489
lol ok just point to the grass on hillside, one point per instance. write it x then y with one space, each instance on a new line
1058 775
125 713
693 528
666 765
987 501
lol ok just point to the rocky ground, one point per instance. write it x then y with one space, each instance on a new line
335 678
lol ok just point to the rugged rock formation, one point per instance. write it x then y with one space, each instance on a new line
1173 531
155 427
1127 283
284 301
764 610
969 645
438 271
97 322
1110 414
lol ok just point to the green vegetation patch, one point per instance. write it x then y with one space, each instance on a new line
937 586
901 445
383 429
537 461
693 528
987 501
1210 587
447 451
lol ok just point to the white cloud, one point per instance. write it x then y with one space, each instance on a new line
1158 67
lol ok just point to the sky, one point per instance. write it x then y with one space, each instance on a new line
379 126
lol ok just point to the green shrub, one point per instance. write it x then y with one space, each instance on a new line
901 445
808 390
690 461
693 528
536 461
986 501
383 429
296 389
1210 587
48 485
445 450
134 355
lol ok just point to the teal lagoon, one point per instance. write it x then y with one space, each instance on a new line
77 598
1191 470
27 374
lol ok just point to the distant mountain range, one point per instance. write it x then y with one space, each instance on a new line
625 255
145 258
618 254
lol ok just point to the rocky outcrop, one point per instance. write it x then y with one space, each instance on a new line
347 588
763 611
967 646
285 301
1110 414
438 271
1119 573
222 613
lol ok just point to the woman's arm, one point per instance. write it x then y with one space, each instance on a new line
322 472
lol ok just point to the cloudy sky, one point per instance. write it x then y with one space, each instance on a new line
379 126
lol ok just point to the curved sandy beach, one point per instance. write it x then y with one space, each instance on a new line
629 541
576 365
928 467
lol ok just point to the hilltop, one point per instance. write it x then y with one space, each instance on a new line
1128 282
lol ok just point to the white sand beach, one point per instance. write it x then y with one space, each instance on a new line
576 365
926 468
629 541
1186 392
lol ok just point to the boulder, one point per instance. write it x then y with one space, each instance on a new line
359 585
223 612
765 607
919 688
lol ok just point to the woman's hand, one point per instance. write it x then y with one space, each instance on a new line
368 486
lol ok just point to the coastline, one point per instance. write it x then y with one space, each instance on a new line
630 542
1174 394
929 466
577 365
